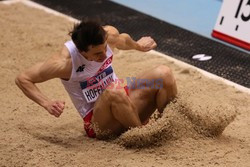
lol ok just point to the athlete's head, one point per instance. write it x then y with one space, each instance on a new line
90 39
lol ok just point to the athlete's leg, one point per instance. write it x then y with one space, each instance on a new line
149 99
168 91
114 111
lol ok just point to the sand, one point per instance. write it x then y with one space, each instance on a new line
207 125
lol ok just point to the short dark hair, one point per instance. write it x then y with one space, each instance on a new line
87 33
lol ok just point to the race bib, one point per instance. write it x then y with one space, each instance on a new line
94 86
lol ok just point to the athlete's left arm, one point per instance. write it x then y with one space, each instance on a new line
123 41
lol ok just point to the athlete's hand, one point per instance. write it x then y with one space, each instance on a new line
55 107
146 44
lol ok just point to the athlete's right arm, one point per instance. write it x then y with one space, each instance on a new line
58 66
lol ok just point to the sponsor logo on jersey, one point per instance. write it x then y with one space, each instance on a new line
80 68
105 64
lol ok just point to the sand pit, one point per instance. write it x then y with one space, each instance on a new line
207 125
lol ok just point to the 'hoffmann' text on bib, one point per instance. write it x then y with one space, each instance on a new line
94 86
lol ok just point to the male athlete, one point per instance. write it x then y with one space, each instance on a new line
84 66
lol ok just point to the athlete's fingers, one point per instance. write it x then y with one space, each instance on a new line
57 109
55 112
61 104
154 45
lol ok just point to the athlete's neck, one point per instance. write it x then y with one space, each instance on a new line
85 56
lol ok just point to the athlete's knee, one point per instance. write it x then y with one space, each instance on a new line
166 74
120 102
114 95
164 71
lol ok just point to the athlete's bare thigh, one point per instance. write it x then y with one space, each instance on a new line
110 109
103 117
144 99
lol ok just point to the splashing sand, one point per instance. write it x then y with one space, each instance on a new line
181 118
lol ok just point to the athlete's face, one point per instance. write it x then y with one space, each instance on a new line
96 53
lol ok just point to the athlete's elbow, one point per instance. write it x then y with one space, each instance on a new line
20 80
126 42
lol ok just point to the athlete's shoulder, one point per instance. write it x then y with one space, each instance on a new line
65 59
65 54
111 30
112 35
59 65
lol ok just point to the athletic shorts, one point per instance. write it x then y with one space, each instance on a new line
87 121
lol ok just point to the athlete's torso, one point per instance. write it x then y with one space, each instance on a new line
88 79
